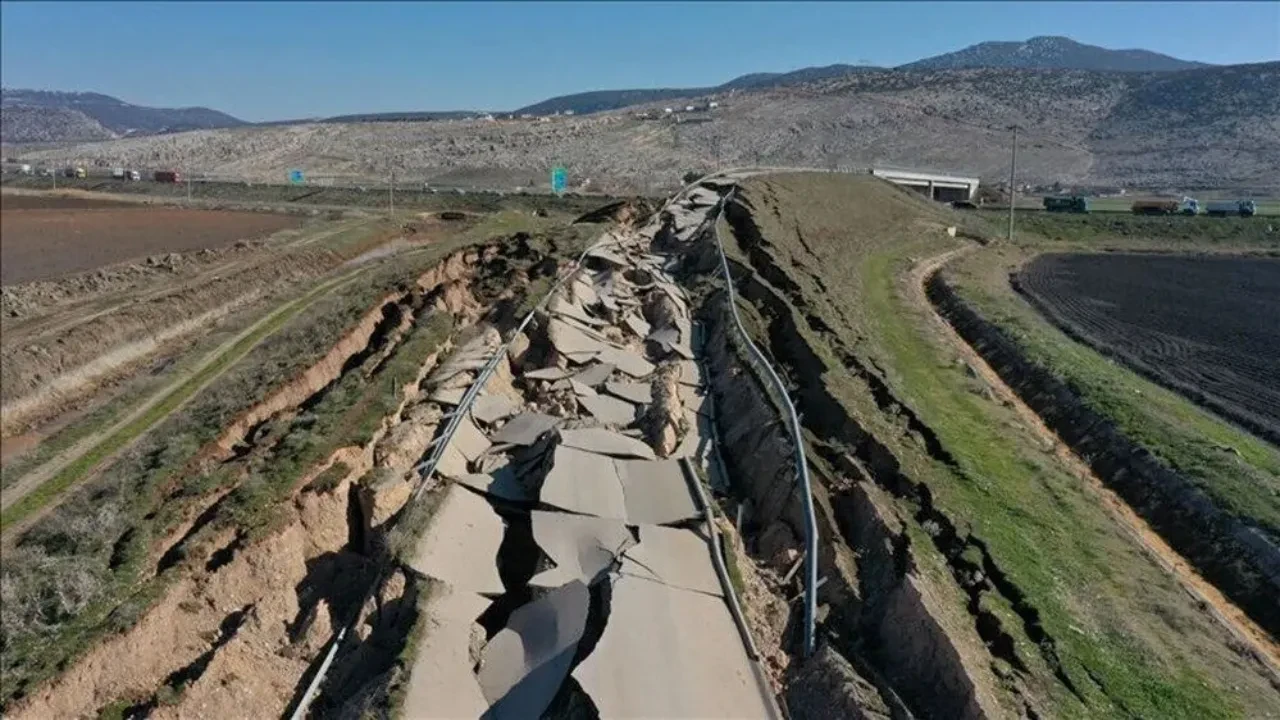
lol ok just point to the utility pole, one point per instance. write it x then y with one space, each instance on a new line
1013 166
188 188
391 192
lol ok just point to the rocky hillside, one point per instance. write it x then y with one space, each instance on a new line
1053 52
31 124
1211 127
43 115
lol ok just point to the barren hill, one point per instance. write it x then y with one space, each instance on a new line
1053 52
1210 127
44 115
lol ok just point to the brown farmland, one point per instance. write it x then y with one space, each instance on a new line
1204 326
46 237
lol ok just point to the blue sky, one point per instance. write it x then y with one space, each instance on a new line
263 61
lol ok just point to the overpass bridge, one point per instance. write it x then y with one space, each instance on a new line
935 186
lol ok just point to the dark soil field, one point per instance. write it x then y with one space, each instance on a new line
1204 326
49 237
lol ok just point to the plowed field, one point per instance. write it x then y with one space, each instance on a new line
49 237
1204 326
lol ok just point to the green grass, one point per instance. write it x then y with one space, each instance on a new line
1150 232
1127 635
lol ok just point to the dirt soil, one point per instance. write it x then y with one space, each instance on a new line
50 237
1204 326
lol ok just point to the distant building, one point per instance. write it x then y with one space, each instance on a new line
713 104
668 110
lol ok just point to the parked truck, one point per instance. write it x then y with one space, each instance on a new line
167 176
117 174
1074 204
74 172
24 169
1223 208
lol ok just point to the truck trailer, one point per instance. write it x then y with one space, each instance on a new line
1166 206
1224 208
167 176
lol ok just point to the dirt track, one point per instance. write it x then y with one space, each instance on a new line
1222 609
50 237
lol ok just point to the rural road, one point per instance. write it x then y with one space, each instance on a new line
1239 625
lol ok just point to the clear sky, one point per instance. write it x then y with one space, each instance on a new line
265 61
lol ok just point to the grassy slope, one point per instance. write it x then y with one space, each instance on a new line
1238 470
81 571
1127 636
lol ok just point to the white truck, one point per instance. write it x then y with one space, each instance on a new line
24 169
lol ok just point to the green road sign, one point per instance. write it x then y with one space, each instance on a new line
559 180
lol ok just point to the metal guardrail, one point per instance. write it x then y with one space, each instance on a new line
778 392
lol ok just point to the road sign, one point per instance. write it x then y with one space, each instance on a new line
295 177
559 180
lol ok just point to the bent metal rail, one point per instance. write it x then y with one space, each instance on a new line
778 392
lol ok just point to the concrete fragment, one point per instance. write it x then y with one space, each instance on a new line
686 662
551 373
636 324
569 340
502 483
626 361
609 409
674 556
595 375
567 308
447 396
460 544
582 547
441 682
639 393
581 390
468 439
489 409
606 442
524 665
655 491
525 428
584 482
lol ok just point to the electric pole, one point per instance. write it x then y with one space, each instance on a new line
391 192
1013 166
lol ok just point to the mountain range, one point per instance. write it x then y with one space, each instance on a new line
52 116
